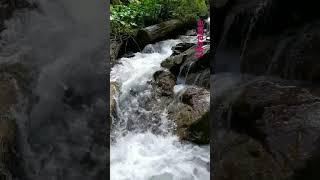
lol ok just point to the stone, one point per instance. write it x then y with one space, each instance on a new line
192 115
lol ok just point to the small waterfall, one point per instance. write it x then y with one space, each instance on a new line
276 55
261 9
183 73
226 28
197 79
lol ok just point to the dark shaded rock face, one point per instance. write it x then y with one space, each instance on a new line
284 120
278 38
8 99
7 7
114 51
279 117
292 55
239 154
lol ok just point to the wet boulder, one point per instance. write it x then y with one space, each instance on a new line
181 47
174 62
192 115
201 78
164 83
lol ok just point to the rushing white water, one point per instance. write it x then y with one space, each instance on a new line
144 146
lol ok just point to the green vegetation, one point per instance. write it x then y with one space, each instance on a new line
130 15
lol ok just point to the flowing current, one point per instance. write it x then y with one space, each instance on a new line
143 146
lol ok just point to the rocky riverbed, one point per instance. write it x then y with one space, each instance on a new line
155 100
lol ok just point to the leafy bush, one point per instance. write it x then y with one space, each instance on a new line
125 19
128 16
191 9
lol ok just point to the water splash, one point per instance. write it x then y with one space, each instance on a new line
183 73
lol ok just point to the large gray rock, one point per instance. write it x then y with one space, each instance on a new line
164 83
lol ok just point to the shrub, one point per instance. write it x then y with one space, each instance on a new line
127 16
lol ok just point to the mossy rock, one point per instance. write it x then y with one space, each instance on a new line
199 131
191 115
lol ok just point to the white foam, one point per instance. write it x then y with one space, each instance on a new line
145 156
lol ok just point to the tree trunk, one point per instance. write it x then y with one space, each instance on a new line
155 32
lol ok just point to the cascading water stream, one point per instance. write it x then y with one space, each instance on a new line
144 145
184 71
